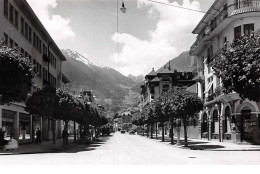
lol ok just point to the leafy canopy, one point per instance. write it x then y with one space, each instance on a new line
238 65
16 75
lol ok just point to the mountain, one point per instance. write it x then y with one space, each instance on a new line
183 63
136 79
105 82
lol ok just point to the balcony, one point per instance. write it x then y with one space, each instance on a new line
227 12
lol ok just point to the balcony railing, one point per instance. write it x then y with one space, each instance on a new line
228 11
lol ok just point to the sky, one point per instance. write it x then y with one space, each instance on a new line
149 34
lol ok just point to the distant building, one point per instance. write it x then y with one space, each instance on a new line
225 117
163 80
20 27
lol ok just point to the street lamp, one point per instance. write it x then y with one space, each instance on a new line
123 10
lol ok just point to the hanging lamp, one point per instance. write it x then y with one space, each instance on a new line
123 9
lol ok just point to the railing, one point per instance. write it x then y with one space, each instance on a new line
228 11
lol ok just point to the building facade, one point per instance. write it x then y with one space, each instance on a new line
225 116
163 80
21 28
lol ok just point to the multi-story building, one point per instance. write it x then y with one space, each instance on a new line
225 117
163 80
21 28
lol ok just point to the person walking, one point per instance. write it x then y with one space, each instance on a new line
65 136
38 136
2 135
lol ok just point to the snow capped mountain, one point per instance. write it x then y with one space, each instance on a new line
83 74
77 56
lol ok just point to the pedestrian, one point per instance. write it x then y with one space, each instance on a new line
65 137
2 135
38 136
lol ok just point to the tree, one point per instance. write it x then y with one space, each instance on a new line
159 113
238 65
68 107
16 75
43 103
169 109
186 107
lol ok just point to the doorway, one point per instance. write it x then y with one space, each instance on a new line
246 128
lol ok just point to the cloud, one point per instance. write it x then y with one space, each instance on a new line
58 27
171 36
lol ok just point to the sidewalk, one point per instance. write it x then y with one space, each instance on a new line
214 145
44 147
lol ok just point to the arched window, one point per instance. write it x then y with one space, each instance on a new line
204 123
215 119
227 115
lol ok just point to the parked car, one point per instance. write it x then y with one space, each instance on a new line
132 132
123 131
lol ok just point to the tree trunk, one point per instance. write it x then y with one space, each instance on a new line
162 132
75 132
152 131
147 131
185 131
156 131
171 132
53 127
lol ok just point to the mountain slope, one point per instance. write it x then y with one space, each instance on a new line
83 74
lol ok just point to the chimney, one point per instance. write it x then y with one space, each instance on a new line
170 65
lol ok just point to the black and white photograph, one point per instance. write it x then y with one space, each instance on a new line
130 83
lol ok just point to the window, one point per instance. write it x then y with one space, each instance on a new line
237 32
22 26
165 78
16 19
6 8
16 44
30 58
40 70
26 30
40 46
22 52
34 39
11 42
248 28
6 39
30 35
225 123
11 13
165 87
37 41
224 40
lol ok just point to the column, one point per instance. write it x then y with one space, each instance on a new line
1 116
209 124
221 111
31 128
16 126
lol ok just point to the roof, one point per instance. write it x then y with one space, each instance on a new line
206 15
152 73
65 79
192 88
29 13
156 79
166 71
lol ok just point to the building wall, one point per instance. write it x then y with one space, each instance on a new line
235 119
26 45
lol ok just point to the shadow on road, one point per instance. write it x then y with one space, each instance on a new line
71 148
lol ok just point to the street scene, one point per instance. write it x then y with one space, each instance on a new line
126 149
130 82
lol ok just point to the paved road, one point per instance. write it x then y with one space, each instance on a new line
134 149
